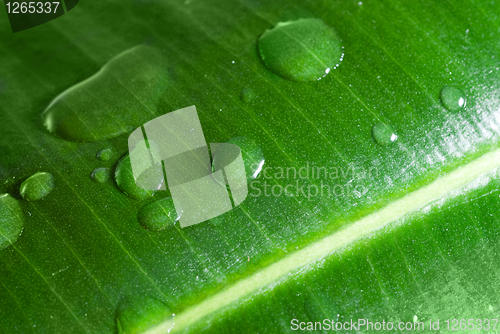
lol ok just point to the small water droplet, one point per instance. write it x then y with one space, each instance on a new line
37 186
247 95
100 175
383 134
137 314
11 220
120 97
452 98
253 158
302 50
124 178
104 155
158 215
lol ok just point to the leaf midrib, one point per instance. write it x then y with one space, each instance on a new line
447 184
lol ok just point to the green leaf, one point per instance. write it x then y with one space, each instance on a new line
402 232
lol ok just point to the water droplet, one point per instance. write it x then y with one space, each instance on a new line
124 178
158 215
121 96
302 50
11 220
100 175
37 186
383 134
452 98
247 95
104 155
137 314
253 158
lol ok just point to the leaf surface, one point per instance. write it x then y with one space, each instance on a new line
82 250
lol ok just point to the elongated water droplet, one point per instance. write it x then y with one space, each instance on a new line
383 134
124 178
452 98
302 50
247 95
37 186
120 97
104 155
253 158
100 175
11 220
158 215
137 314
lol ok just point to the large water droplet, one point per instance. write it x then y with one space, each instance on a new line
104 155
120 97
452 98
158 215
383 134
100 175
302 50
137 314
124 178
253 158
247 95
37 186
11 220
